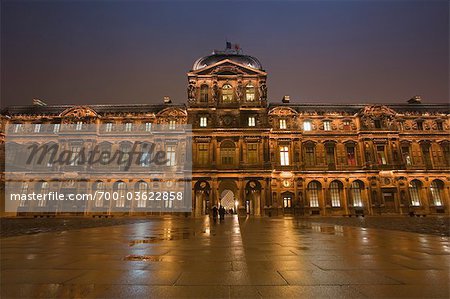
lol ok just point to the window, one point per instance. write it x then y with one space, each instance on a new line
99 187
307 126
283 124
56 128
331 159
142 189
327 125
313 194
121 192
203 121
23 190
250 93
351 158
284 155
37 128
309 155
75 155
335 192
419 125
414 192
406 155
145 158
377 124
356 193
436 189
251 121
79 126
426 154
17 128
381 155
108 127
252 153
446 151
172 124
125 148
203 153
347 124
128 127
148 126
227 93
171 155
44 188
204 91
287 201
227 152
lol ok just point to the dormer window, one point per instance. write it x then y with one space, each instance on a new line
203 121
79 126
172 124
419 125
347 124
148 126
307 126
250 93
377 124
128 127
283 124
37 128
108 127
227 93
17 128
327 125
439 125
56 128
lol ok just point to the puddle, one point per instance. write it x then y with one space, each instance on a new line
145 258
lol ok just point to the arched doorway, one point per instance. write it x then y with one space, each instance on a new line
228 194
227 199
253 197
202 202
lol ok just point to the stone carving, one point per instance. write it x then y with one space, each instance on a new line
191 90
262 91
215 92
239 91
79 112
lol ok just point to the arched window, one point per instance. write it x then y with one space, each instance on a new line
121 189
44 188
436 189
23 191
142 188
227 93
250 92
335 192
313 194
227 152
414 192
356 193
99 186
204 91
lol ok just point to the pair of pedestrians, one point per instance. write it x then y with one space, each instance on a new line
220 211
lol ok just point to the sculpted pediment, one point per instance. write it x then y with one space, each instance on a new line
282 111
79 112
172 112
377 111
227 67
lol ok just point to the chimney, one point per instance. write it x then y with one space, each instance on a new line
167 100
286 99
415 100
37 102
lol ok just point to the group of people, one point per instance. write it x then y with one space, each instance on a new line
221 211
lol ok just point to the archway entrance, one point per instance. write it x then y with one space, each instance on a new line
227 199
228 194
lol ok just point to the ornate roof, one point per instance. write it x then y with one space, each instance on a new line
246 60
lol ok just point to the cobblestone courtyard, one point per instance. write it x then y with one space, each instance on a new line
241 258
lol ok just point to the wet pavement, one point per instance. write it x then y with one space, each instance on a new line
238 258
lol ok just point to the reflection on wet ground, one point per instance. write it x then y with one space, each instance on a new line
245 257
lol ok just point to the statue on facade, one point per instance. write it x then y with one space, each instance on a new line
215 92
191 91
239 91
262 91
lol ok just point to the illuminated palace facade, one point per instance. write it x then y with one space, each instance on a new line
262 158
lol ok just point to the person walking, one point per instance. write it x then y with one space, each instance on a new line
214 212
222 213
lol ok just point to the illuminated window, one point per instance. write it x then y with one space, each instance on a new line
75 155
307 125
44 188
148 126
287 201
203 121
79 126
23 191
227 152
172 124
313 194
414 192
283 124
347 125
121 194
381 155
171 155
250 93
356 193
251 121
227 93
128 127
203 153
17 128
335 192
252 153
436 189
284 155
327 125
204 91
37 128
56 128
108 127
99 187
142 191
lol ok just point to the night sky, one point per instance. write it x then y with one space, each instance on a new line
98 52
